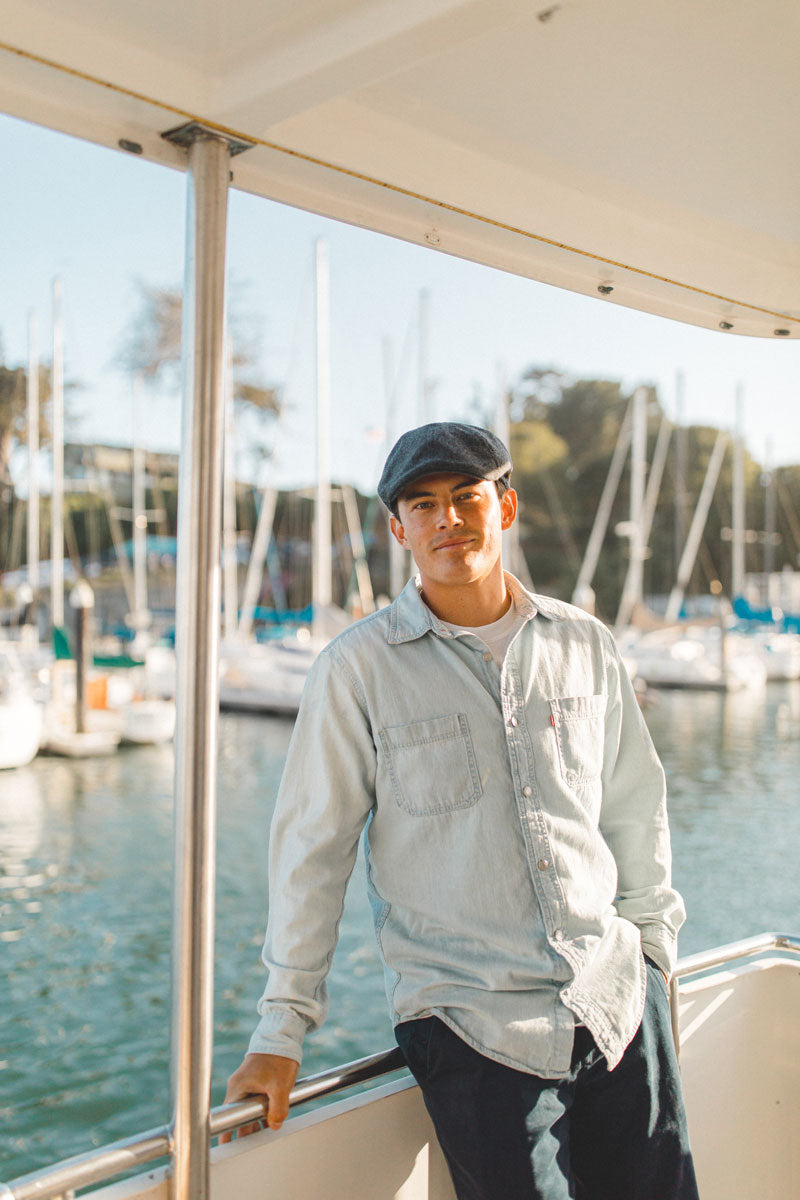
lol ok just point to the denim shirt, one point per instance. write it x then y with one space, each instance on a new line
518 857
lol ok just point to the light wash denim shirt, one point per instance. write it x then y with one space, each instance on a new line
518 857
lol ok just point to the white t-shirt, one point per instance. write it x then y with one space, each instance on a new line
495 636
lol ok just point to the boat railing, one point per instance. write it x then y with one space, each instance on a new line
61 1181
721 956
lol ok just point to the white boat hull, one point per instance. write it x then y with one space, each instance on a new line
20 731
147 722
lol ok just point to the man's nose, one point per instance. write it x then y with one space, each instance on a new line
448 516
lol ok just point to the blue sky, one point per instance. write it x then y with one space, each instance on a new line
101 220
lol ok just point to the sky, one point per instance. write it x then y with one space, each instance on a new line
102 220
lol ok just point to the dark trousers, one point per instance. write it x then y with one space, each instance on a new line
596 1135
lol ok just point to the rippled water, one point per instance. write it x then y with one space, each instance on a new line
86 893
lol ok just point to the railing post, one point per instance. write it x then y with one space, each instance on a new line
197 653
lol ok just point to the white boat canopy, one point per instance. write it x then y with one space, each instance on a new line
646 152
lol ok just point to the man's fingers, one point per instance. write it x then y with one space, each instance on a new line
268 1077
242 1131
277 1106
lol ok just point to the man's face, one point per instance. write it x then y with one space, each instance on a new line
452 525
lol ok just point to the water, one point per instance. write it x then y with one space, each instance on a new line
86 892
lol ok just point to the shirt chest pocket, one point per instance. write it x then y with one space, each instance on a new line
431 765
579 725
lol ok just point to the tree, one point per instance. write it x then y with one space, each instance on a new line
563 435
152 346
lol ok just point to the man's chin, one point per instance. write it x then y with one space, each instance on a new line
460 571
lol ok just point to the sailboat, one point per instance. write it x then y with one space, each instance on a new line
607 148
270 676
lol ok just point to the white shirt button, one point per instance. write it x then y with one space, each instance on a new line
558 935
487 656
527 790
513 722
543 864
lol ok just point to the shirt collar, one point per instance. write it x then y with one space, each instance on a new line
410 617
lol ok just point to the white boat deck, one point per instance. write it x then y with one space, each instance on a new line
740 1059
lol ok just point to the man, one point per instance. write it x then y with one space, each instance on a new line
518 859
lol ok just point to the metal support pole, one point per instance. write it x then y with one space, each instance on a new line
197 654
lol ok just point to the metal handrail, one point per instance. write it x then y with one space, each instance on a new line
96 1166
695 964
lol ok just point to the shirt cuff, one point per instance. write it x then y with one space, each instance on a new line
280 1031
660 946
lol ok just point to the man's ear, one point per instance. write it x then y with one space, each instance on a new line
508 508
397 530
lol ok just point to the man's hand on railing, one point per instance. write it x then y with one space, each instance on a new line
270 1076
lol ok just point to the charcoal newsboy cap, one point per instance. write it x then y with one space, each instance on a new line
443 447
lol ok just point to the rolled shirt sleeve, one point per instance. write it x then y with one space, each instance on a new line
325 798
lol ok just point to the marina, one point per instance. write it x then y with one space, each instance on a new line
133 892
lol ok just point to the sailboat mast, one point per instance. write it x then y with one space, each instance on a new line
398 557
423 382
323 560
769 512
258 555
140 615
33 458
582 594
738 509
638 474
57 502
513 557
634 580
681 498
229 579
686 565
629 599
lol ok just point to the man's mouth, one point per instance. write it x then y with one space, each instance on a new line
453 543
